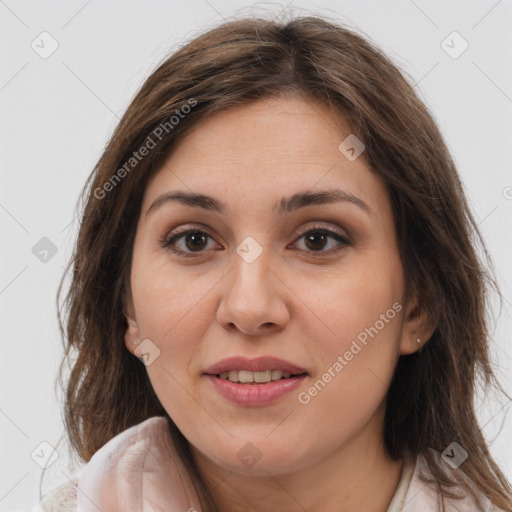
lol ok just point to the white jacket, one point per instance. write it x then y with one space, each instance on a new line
111 480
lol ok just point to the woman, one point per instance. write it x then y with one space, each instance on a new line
277 302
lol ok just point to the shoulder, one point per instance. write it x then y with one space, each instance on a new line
62 498
422 496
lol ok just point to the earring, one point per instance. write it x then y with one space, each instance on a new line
418 340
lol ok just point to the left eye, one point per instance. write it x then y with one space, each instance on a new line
316 239
195 241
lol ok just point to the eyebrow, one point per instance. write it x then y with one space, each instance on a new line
284 205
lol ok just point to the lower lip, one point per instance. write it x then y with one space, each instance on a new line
255 394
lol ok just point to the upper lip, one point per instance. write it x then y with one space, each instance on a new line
259 364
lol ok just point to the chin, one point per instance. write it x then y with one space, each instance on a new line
258 457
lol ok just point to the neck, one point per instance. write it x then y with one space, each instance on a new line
358 475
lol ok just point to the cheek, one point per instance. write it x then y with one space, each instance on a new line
174 309
351 300
169 313
361 312
164 298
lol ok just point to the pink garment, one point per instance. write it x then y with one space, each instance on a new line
140 471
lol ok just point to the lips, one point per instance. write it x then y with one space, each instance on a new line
259 364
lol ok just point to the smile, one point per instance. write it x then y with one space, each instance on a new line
254 393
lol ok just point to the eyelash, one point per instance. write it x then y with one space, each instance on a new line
169 241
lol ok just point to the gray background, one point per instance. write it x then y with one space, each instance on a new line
58 112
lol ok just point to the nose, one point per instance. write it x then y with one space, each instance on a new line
253 299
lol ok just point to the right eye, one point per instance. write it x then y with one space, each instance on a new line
192 239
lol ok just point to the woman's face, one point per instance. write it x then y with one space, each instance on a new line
316 281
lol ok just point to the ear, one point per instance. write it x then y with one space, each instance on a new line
131 334
417 326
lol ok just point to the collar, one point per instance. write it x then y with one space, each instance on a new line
112 479
140 470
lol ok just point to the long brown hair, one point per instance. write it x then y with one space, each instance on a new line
430 403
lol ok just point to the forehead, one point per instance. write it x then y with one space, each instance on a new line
263 151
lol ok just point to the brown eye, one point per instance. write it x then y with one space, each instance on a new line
195 240
187 242
317 239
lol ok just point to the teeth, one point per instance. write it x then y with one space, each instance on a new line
233 375
260 376
245 376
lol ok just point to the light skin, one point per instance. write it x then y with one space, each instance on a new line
303 302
